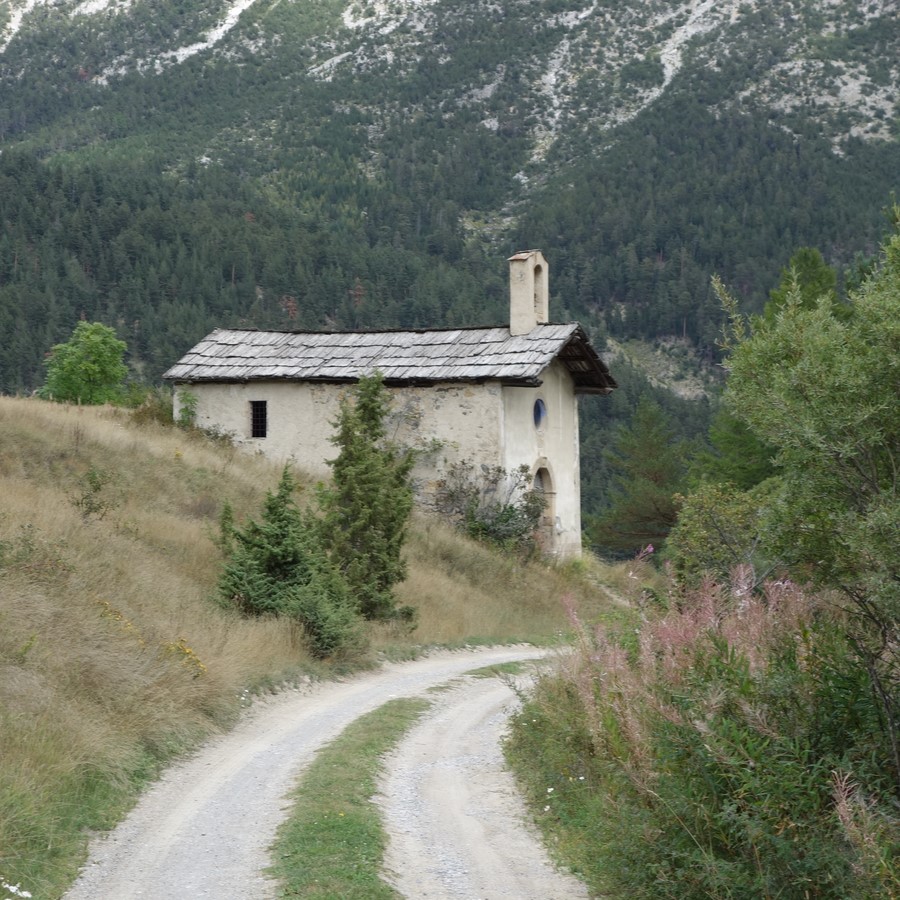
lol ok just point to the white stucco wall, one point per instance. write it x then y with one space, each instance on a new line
553 445
454 421
484 423
299 418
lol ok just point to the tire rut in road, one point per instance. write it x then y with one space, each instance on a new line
456 822
204 829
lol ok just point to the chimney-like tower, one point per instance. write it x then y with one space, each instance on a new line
529 298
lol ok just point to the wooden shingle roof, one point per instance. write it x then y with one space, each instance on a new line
402 357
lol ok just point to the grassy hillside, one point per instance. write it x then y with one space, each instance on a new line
114 656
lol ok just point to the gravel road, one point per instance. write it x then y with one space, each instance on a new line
452 811
203 830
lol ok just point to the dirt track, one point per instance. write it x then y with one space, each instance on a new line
456 823
203 830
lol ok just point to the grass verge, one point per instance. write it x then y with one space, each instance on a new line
333 845
500 669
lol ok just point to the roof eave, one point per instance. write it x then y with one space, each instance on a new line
596 379
593 390
525 381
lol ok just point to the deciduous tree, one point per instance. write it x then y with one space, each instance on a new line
648 464
88 368
823 389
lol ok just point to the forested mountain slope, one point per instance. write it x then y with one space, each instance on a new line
168 167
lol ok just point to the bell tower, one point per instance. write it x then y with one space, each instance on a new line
529 299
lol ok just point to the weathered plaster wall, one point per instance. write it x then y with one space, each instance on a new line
447 424
550 445
483 423
450 422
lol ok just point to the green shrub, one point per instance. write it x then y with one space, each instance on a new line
278 566
95 495
187 413
154 408
702 762
719 527
328 616
494 505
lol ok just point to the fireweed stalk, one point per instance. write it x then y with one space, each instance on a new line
694 755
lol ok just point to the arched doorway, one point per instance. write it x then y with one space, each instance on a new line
542 482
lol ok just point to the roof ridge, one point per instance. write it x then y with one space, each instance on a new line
389 330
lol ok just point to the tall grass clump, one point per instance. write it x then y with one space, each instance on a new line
466 591
728 748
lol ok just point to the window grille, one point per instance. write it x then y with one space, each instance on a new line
258 418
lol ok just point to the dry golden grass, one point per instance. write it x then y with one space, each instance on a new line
114 655
465 591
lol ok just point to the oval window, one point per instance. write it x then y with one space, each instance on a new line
540 413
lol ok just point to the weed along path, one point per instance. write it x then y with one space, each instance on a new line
205 828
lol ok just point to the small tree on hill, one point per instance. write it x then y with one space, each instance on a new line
278 566
365 511
647 460
88 368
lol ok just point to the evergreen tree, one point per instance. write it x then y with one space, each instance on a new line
278 566
646 460
367 507
808 276
738 457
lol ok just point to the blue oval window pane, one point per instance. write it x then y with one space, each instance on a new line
540 413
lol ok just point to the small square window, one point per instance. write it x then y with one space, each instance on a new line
258 418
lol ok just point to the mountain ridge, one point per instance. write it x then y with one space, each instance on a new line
372 164
638 51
